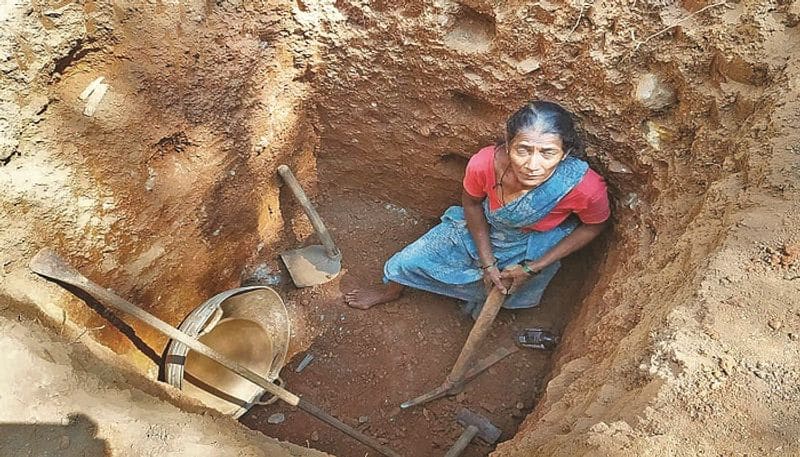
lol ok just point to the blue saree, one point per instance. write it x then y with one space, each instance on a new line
445 260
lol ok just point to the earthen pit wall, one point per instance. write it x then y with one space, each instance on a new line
170 188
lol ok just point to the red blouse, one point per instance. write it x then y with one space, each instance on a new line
588 199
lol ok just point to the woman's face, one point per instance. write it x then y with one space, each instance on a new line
534 156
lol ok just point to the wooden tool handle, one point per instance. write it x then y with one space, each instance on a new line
316 221
48 264
479 330
462 442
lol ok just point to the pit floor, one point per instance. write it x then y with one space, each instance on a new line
368 362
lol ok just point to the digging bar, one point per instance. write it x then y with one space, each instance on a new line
50 265
455 381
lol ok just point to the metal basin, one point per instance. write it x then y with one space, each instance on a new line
248 324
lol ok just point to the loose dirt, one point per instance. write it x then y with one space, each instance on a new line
62 399
368 362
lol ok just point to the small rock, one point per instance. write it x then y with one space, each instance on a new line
794 336
727 364
64 443
528 65
461 397
150 184
775 324
90 88
631 200
276 418
547 6
363 419
314 436
653 93
615 166
426 413
93 102
520 405
656 134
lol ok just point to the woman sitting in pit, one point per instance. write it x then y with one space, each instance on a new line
527 202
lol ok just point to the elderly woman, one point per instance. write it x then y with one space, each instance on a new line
527 202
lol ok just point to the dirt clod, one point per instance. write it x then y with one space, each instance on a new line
654 93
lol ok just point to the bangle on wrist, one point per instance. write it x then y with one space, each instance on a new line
526 268
493 264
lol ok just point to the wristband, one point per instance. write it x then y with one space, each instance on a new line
493 264
526 268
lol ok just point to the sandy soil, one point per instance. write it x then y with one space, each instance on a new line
60 399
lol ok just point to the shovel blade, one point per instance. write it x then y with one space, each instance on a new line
311 265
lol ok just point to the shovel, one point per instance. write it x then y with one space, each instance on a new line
314 264
50 265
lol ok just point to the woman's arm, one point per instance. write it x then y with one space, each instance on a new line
580 237
479 229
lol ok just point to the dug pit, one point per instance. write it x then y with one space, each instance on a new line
168 194
366 363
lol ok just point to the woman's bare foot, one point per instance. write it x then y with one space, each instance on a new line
367 298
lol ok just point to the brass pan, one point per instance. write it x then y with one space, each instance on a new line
248 324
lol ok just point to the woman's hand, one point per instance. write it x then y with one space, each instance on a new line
518 275
492 277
